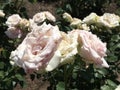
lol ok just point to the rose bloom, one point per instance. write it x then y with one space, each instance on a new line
13 32
91 48
49 16
40 17
67 17
66 51
2 14
13 20
37 48
90 19
109 20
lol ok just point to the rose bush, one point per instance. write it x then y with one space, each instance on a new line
65 48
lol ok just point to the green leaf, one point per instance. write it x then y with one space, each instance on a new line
68 7
112 58
102 71
111 83
1 65
74 75
98 75
59 11
1 74
19 77
115 38
60 86
106 87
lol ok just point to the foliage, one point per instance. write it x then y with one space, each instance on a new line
74 76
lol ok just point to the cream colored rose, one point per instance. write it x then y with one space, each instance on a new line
2 14
37 48
67 17
90 19
13 32
13 20
40 17
49 16
68 47
109 20
91 49
77 23
66 51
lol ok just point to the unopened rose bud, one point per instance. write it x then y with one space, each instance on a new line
76 21
67 17
24 23
2 14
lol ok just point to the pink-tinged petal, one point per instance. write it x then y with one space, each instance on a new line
92 49
13 32
37 48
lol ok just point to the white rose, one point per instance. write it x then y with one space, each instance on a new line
13 20
37 48
66 51
90 19
68 47
109 20
2 14
39 17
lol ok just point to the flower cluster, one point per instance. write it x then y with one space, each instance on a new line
16 26
106 20
45 47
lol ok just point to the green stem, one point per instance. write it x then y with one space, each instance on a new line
65 76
